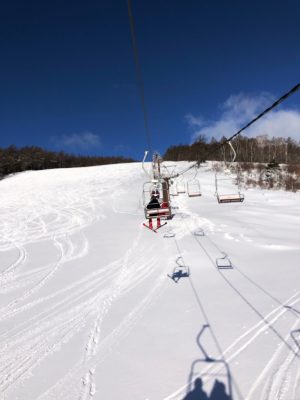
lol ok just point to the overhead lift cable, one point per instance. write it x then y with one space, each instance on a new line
238 196
140 83
139 76
275 104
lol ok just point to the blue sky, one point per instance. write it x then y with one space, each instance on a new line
68 79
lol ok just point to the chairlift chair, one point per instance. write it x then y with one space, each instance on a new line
229 196
173 190
193 188
193 185
163 210
180 187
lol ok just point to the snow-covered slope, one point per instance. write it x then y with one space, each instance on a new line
88 310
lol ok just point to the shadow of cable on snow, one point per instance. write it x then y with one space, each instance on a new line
244 298
251 280
295 335
214 370
214 373
292 309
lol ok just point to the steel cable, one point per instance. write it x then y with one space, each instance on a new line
275 104
139 75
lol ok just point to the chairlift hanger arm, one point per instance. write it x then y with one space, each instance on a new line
233 151
143 164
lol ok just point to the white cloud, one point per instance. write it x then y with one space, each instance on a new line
78 141
194 121
240 109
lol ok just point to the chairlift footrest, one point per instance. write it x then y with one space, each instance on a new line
156 229
151 229
160 226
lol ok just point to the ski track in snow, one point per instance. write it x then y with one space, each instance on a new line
66 253
96 350
41 319
28 346
242 342
276 375
88 386
277 386
73 307
8 270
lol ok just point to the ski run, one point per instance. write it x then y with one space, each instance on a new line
95 306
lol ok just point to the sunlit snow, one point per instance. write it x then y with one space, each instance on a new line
89 309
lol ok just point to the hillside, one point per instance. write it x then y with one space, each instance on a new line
89 311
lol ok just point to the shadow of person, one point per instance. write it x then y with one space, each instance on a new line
219 392
197 393
177 275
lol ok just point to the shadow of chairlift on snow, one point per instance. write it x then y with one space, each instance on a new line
211 372
224 262
180 271
199 232
292 309
169 234
221 262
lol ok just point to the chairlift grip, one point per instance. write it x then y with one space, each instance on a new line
234 152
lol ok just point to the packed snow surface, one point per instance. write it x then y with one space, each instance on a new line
96 306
